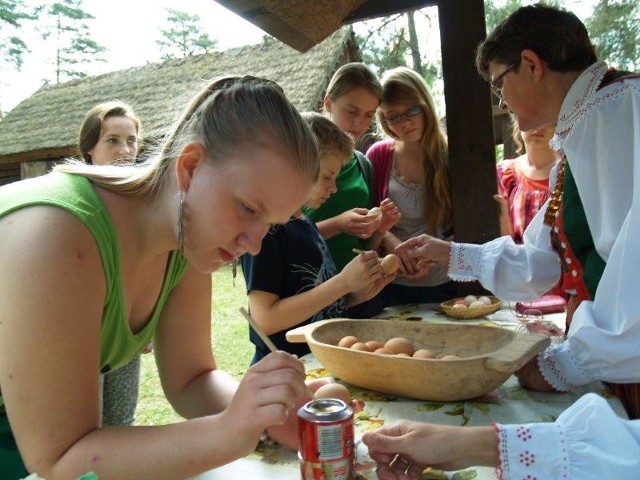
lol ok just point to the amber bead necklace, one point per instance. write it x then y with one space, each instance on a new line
556 197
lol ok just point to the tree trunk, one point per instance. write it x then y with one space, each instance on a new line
413 44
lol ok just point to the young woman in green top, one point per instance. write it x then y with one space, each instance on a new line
105 258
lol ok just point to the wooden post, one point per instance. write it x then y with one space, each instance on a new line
469 124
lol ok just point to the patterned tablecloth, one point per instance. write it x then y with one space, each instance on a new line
508 404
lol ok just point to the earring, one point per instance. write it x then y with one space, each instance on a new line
179 232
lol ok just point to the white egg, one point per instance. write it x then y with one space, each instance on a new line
470 299
484 299
476 304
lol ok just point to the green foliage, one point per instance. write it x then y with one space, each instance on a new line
184 36
74 46
230 343
614 28
393 42
384 44
494 14
12 46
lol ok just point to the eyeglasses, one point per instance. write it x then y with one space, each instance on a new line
408 113
496 83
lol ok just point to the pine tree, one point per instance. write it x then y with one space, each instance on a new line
184 36
12 46
74 45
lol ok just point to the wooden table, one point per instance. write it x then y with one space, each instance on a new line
508 404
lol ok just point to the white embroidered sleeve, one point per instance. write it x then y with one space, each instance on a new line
588 441
510 271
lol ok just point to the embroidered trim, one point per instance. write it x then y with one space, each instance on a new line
594 75
551 373
565 453
459 269
503 456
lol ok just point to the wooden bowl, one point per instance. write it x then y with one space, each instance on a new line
489 355
469 313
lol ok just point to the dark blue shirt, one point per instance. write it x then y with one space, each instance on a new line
293 259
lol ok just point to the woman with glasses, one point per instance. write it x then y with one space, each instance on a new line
105 258
586 234
411 168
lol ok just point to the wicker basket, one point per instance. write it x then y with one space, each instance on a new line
469 313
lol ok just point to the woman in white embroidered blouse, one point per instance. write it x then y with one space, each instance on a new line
543 74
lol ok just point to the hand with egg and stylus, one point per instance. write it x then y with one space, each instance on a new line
386 216
388 269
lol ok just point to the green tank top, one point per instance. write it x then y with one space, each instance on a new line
75 193
118 345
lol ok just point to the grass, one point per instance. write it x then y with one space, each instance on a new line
230 343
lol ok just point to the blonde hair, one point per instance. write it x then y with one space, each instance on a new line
228 116
350 76
516 135
331 139
403 85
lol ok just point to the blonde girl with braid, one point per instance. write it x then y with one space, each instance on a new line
105 259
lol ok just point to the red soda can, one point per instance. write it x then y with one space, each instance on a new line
327 451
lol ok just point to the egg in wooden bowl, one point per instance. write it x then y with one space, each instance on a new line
466 360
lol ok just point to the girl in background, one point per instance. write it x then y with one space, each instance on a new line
523 182
109 135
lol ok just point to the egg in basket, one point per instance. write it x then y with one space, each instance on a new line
468 361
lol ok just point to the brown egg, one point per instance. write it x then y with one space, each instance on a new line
384 351
360 346
402 354
450 357
374 345
347 341
423 353
461 301
400 345
333 390
390 264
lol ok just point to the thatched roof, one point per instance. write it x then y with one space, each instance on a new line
45 126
